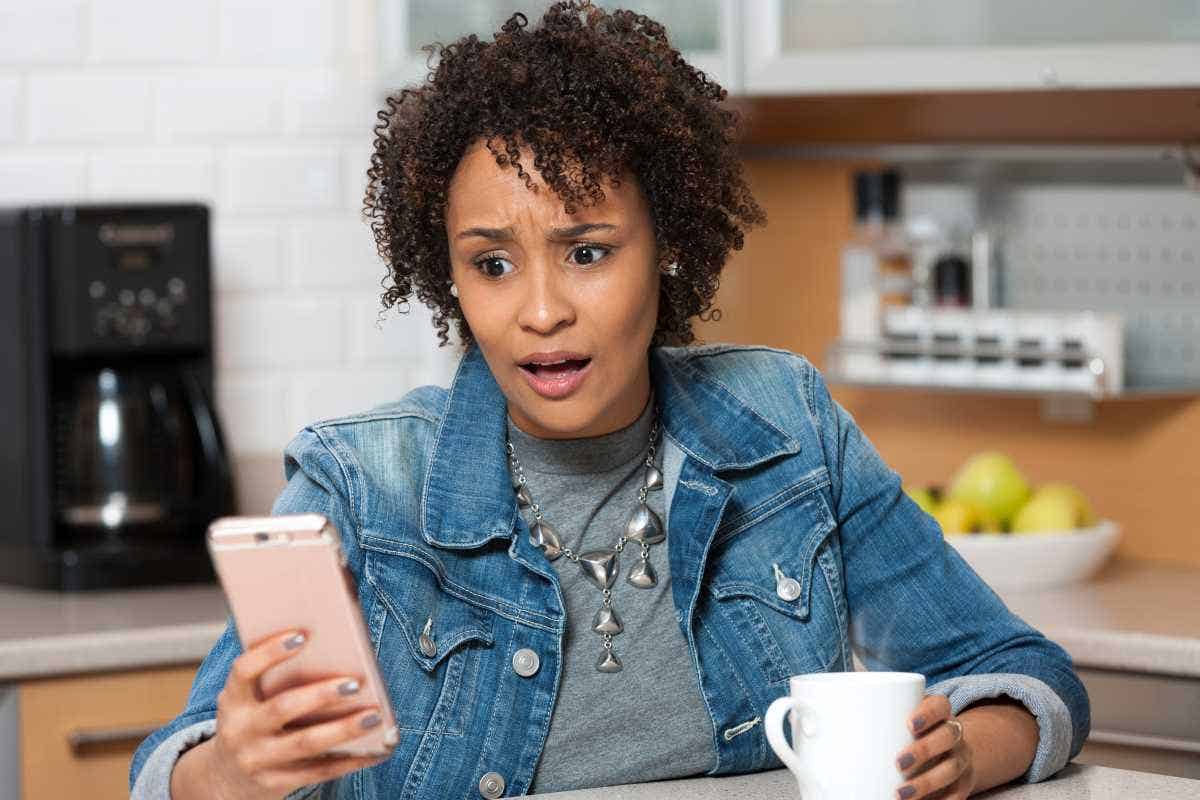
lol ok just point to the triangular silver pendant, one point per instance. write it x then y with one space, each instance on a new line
608 662
544 536
644 526
642 575
600 567
653 478
607 621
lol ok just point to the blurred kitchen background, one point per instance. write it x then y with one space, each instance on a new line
984 227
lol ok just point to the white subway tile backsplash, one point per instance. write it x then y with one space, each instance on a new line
153 174
247 256
261 330
42 178
86 108
150 31
356 159
338 253
325 103
321 394
272 178
223 105
10 110
270 32
42 32
376 335
252 407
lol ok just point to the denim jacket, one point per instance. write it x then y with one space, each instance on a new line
761 466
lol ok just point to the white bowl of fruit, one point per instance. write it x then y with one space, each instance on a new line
1016 535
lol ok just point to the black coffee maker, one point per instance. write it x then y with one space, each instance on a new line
112 463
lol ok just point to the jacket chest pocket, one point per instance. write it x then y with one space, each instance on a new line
775 580
430 644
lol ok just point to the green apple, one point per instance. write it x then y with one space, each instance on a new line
1051 511
957 516
991 481
926 498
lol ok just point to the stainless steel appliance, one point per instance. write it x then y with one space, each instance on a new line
112 462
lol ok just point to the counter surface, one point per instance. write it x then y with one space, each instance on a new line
1074 782
1134 616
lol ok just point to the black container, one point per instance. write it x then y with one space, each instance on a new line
115 462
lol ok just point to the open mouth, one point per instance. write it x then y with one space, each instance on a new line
556 369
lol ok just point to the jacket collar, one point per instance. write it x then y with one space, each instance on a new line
467 499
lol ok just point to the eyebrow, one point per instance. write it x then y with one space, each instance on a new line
556 234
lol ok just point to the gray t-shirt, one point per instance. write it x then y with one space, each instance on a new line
648 721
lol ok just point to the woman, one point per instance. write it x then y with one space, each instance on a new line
689 525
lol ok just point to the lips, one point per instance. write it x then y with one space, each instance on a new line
557 374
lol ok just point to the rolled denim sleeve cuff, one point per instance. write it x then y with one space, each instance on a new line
154 781
1053 717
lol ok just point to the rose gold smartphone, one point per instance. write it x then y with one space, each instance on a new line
289 571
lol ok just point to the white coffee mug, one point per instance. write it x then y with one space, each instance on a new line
848 729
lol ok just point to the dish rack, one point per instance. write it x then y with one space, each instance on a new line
1004 350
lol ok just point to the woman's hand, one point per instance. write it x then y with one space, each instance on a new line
940 760
252 755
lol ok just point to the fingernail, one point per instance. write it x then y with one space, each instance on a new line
906 761
293 641
906 792
371 720
918 723
348 688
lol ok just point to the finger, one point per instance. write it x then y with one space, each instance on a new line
306 773
932 710
937 741
319 738
940 775
246 669
331 694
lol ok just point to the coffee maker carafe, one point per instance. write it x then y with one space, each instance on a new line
119 463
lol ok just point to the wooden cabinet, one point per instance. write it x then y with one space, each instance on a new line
77 734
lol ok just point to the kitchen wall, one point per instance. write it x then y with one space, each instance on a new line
262 109
1138 461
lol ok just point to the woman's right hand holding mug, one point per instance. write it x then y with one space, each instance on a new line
253 754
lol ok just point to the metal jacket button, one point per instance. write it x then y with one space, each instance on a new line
787 588
491 785
425 640
526 663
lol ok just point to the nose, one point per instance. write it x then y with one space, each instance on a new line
547 305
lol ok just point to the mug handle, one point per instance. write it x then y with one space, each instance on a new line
777 714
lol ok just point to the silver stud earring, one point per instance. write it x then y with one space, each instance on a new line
671 269
453 289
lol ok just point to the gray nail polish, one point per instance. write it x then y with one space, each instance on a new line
907 760
293 641
371 720
348 688
907 792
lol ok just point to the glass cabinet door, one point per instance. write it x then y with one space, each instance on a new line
806 46
705 31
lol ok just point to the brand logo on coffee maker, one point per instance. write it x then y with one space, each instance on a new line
114 235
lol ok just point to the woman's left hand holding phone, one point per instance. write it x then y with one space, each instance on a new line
253 755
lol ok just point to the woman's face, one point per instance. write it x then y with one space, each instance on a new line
562 307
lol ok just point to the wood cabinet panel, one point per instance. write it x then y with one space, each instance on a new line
79 733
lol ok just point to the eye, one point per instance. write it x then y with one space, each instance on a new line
493 266
589 250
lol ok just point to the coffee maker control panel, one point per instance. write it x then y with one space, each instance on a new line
130 279
137 315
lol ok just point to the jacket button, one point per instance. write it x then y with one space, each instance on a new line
526 663
491 785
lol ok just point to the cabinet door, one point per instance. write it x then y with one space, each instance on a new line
78 734
705 31
816 46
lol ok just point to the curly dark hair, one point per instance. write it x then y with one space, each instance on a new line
594 95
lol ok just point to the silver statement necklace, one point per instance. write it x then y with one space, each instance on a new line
601 566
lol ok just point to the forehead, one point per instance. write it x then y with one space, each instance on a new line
483 191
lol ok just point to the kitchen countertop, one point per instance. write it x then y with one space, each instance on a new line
1133 616
53 633
1074 782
